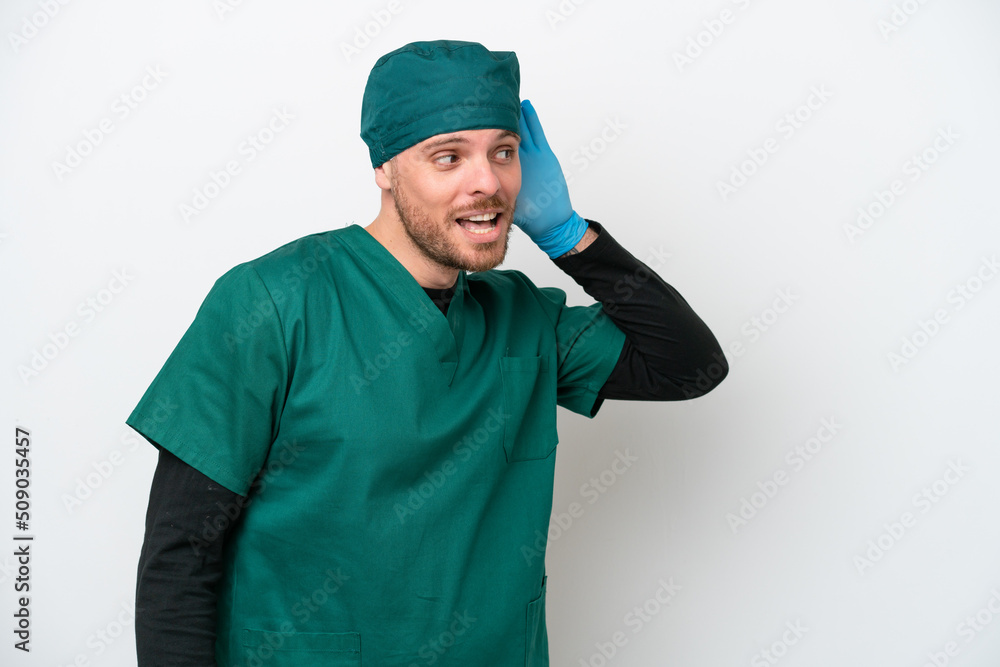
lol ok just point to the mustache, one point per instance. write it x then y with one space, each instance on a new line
496 201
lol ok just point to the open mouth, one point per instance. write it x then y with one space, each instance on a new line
480 224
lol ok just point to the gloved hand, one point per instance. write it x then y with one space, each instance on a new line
543 210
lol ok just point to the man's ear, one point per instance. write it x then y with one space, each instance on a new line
383 175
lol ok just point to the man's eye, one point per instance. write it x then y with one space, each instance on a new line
509 151
445 157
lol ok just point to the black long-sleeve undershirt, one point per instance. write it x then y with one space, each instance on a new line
668 354
180 566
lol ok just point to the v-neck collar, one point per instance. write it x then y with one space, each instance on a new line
446 331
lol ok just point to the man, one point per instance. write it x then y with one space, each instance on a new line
357 439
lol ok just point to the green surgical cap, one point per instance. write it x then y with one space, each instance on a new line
428 88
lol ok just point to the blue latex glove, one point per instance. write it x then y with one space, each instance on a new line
543 210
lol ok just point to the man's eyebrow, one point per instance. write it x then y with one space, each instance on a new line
462 140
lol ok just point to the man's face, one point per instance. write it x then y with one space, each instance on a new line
441 182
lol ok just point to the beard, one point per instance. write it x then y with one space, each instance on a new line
435 238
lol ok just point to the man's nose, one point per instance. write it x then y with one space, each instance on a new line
482 178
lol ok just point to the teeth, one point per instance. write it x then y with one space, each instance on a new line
482 218
481 231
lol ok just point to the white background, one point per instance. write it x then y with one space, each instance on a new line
891 83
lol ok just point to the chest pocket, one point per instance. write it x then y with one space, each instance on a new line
529 394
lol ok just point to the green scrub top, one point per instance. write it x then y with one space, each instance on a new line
398 463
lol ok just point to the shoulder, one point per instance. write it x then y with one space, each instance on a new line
511 284
303 253
290 266
278 278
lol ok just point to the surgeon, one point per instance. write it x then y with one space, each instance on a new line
357 433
